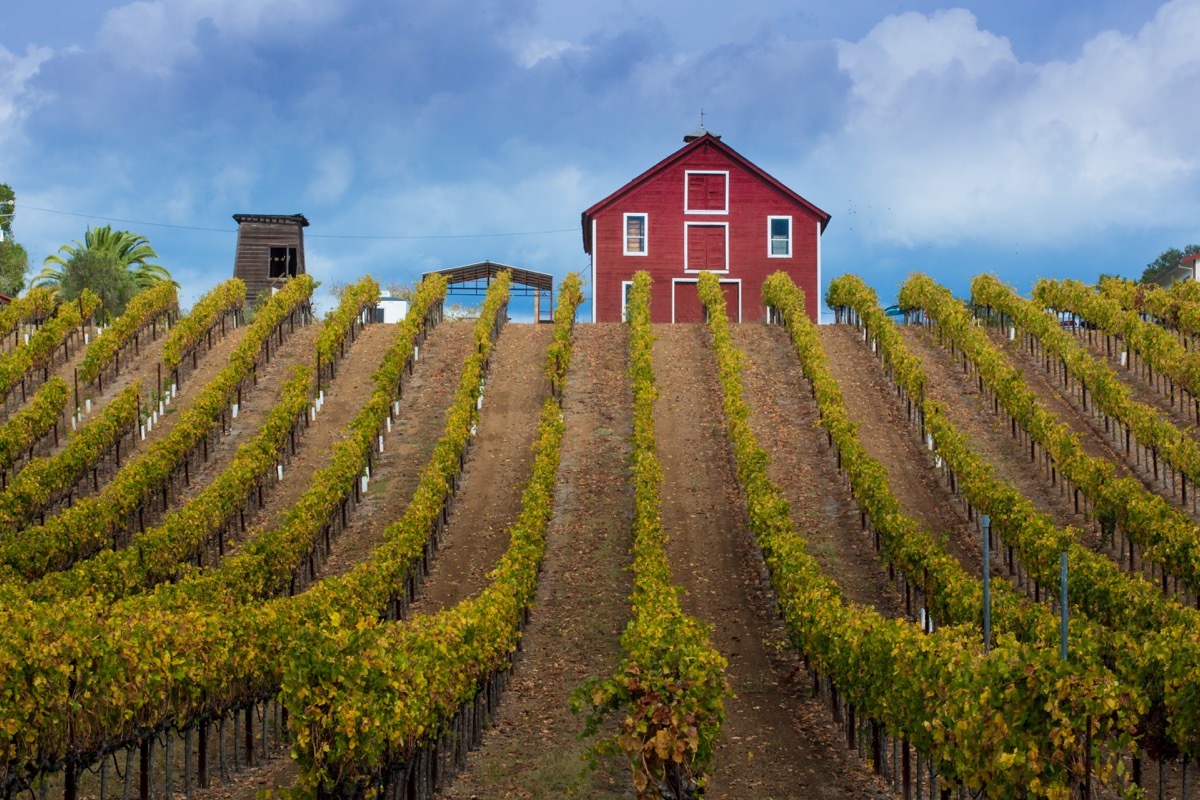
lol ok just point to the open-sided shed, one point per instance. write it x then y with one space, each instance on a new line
474 279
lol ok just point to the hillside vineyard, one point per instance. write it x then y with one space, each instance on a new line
948 550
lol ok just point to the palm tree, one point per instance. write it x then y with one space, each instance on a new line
119 262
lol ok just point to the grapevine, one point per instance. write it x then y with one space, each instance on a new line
189 331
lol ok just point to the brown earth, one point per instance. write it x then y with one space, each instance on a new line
1140 391
342 402
1053 399
581 608
215 361
1140 386
257 402
775 744
990 435
786 421
887 435
427 396
428 392
497 468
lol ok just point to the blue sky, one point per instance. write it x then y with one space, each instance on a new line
1021 137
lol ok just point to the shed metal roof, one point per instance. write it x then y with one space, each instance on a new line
525 282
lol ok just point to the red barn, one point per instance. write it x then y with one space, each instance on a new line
704 207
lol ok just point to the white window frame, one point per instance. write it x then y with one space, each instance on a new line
645 233
686 226
770 241
687 175
722 281
625 287
595 252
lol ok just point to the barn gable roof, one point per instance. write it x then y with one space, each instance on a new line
709 140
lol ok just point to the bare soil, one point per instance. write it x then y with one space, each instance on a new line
497 468
1050 394
534 750
256 405
342 402
216 360
428 392
886 434
1140 386
972 413
1091 428
427 396
786 421
775 744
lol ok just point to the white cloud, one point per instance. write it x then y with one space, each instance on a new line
235 183
153 35
333 173
537 50
954 138
15 95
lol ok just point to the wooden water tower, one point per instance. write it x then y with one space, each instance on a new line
270 249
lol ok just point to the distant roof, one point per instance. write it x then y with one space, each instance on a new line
1170 277
487 270
5 299
284 219
1189 259
704 138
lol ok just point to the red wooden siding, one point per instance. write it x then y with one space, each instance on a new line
707 209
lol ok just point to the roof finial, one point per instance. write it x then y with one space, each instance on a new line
700 132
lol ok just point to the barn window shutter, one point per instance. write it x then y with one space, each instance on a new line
706 247
706 191
714 192
716 248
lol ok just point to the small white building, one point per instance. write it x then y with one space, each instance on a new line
390 309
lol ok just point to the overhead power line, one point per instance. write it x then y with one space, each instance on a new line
310 236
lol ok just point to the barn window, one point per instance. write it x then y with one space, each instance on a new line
282 262
779 237
635 234
707 247
707 193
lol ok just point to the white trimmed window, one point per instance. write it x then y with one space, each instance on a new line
636 237
626 288
779 237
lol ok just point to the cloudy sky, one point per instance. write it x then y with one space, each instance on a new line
1016 136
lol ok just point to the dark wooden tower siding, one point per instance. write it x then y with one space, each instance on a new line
270 249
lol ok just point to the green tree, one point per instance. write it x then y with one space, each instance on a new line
101 272
13 258
108 256
1167 260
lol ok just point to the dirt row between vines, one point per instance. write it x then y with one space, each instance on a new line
534 750
426 398
1092 427
990 435
887 436
342 402
1094 342
776 742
